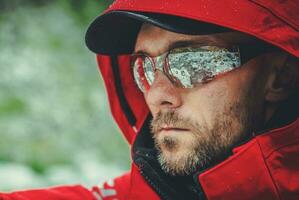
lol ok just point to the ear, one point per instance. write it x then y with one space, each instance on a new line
283 79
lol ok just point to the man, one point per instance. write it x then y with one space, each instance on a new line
206 94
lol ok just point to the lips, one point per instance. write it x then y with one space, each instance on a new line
167 128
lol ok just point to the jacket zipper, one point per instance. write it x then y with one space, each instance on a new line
162 194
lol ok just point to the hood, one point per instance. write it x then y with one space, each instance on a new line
276 22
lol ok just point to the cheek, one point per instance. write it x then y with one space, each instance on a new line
151 107
205 103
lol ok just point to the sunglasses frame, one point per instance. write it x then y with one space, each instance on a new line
246 53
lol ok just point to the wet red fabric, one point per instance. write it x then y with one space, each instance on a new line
63 192
265 168
133 95
285 10
261 18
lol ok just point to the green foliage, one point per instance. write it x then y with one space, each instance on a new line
83 11
12 105
53 107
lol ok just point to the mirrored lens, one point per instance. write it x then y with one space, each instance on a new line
149 70
186 67
192 66
138 73
143 72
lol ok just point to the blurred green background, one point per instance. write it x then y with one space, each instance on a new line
55 123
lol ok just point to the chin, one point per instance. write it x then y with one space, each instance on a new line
177 153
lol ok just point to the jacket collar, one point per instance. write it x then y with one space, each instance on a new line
249 171
247 162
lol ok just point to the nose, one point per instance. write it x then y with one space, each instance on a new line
162 95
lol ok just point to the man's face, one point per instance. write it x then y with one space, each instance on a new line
194 128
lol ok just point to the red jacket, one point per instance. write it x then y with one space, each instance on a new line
266 167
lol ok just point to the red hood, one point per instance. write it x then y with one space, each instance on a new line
276 22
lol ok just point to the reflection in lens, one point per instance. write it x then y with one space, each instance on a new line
192 66
148 70
138 73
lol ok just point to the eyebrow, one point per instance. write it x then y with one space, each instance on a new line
184 43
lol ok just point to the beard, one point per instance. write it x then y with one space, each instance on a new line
199 147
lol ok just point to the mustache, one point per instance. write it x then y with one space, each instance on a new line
171 119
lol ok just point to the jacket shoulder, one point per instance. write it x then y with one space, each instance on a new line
280 149
76 192
117 188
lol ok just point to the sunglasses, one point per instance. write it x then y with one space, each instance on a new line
188 67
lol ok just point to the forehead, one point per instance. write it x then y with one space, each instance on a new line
153 38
